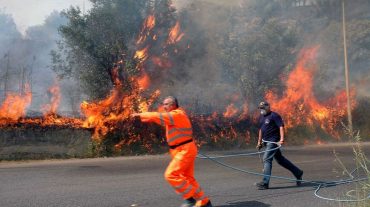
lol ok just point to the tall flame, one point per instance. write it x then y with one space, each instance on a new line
142 54
52 107
299 105
231 110
15 105
143 81
104 116
244 114
175 34
148 25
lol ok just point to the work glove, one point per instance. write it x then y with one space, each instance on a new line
259 146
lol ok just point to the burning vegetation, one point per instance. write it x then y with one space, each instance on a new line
110 117
298 104
153 62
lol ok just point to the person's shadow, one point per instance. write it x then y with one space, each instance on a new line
245 204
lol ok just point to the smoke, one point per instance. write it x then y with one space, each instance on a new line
328 32
208 85
33 12
25 59
180 4
201 83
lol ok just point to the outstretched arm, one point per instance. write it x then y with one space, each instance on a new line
163 119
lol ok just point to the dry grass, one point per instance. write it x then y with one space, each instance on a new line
362 163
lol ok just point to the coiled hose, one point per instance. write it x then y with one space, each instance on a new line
320 184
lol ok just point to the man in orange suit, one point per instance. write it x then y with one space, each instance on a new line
179 133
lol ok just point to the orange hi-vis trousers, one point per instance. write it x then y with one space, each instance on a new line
180 173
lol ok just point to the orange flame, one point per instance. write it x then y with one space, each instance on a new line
148 25
231 110
110 113
175 34
55 100
144 105
15 105
299 106
115 75
142 54
143 81
104 115
161 62
150 22
244 113
115 107
319 141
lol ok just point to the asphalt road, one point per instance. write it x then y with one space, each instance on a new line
138 181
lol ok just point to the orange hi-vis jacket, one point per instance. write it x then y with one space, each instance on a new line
177 123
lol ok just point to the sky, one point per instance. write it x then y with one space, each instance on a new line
28 13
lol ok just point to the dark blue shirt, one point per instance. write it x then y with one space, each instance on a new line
270 126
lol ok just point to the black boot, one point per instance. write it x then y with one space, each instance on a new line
262 186
190 202
299 179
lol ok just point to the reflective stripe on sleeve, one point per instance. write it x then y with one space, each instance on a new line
161 119
172 122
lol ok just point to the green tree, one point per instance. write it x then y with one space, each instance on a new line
94 42
257 59
101 50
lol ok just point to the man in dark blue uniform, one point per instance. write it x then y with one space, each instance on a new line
271 129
